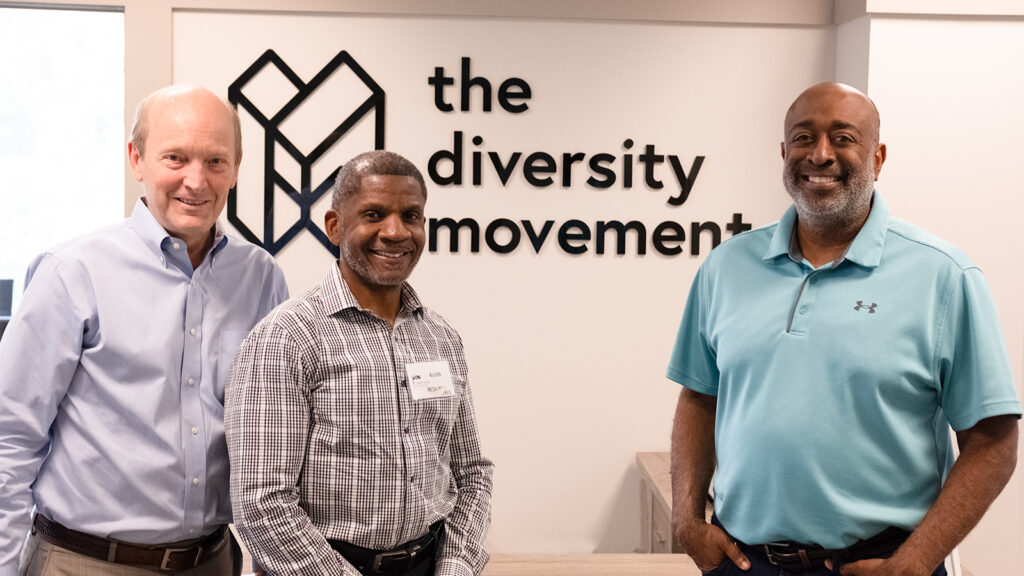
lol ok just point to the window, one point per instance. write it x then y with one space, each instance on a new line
62 135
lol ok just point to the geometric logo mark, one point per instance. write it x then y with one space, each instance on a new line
302 127
870 309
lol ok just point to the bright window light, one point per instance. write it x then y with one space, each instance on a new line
62 135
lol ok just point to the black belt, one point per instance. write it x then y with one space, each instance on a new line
164 557
794 557
401 559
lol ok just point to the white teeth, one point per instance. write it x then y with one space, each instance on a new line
822 179
189 202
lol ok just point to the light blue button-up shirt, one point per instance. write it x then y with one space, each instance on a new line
112 378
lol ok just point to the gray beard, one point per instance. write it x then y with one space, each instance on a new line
835 216
365 271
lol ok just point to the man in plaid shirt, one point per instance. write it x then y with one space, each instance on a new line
349 418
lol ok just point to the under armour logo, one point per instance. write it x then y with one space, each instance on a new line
870 308
304 124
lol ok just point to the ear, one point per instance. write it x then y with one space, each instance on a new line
782 148
332 227
879 159
133 161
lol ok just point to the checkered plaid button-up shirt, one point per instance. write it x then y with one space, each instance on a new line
327 443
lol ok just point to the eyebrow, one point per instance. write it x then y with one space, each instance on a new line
836 125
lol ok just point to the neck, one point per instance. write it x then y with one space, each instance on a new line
197 249
824 242
384 301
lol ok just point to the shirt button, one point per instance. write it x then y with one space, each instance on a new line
404 383
803 309
177 245
191 382
191 530
195 430
192 331
406 430
814 279
195 481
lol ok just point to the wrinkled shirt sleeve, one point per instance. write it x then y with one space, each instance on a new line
462 550
267 423
39 353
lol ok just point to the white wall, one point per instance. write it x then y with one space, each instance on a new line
567 352
950 93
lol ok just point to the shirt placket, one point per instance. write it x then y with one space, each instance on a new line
193 425
412 475
803 305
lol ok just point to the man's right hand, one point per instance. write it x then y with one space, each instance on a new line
708 545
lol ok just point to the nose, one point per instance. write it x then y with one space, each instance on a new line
823 153
195 175
393 229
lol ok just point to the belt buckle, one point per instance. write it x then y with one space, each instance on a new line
768 554
379 559
169 551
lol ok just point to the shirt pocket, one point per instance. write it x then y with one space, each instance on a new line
227 345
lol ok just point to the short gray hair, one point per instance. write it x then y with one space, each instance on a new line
373 163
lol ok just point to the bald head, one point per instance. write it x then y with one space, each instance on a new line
855 105
178 94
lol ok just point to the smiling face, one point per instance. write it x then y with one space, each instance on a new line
832 155
187 163
380 230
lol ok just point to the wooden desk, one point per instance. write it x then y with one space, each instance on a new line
656 503
591 565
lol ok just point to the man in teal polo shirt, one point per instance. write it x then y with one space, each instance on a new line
823 359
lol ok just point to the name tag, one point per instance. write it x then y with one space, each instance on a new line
429 380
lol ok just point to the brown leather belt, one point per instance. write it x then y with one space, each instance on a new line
167 558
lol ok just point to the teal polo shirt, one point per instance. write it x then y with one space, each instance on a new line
836 386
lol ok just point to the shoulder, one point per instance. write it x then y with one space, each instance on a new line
749 246
299 314
78 255
927 246
437 320
100 242
242 250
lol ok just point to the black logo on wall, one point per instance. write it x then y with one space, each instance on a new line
306 192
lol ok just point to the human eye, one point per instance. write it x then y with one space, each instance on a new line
413 216
801 138
371 215
844 139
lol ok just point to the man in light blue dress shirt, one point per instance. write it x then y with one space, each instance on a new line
112 371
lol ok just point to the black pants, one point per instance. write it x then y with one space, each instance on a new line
426 568
760 566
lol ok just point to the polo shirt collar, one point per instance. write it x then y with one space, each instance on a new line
865 250
338 296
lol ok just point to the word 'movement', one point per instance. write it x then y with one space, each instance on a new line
540 169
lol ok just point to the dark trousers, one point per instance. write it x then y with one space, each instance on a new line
426 568
760 566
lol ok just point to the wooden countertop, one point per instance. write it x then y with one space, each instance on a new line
591 565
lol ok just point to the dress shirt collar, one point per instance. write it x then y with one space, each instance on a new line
337 295
865 250
154 236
